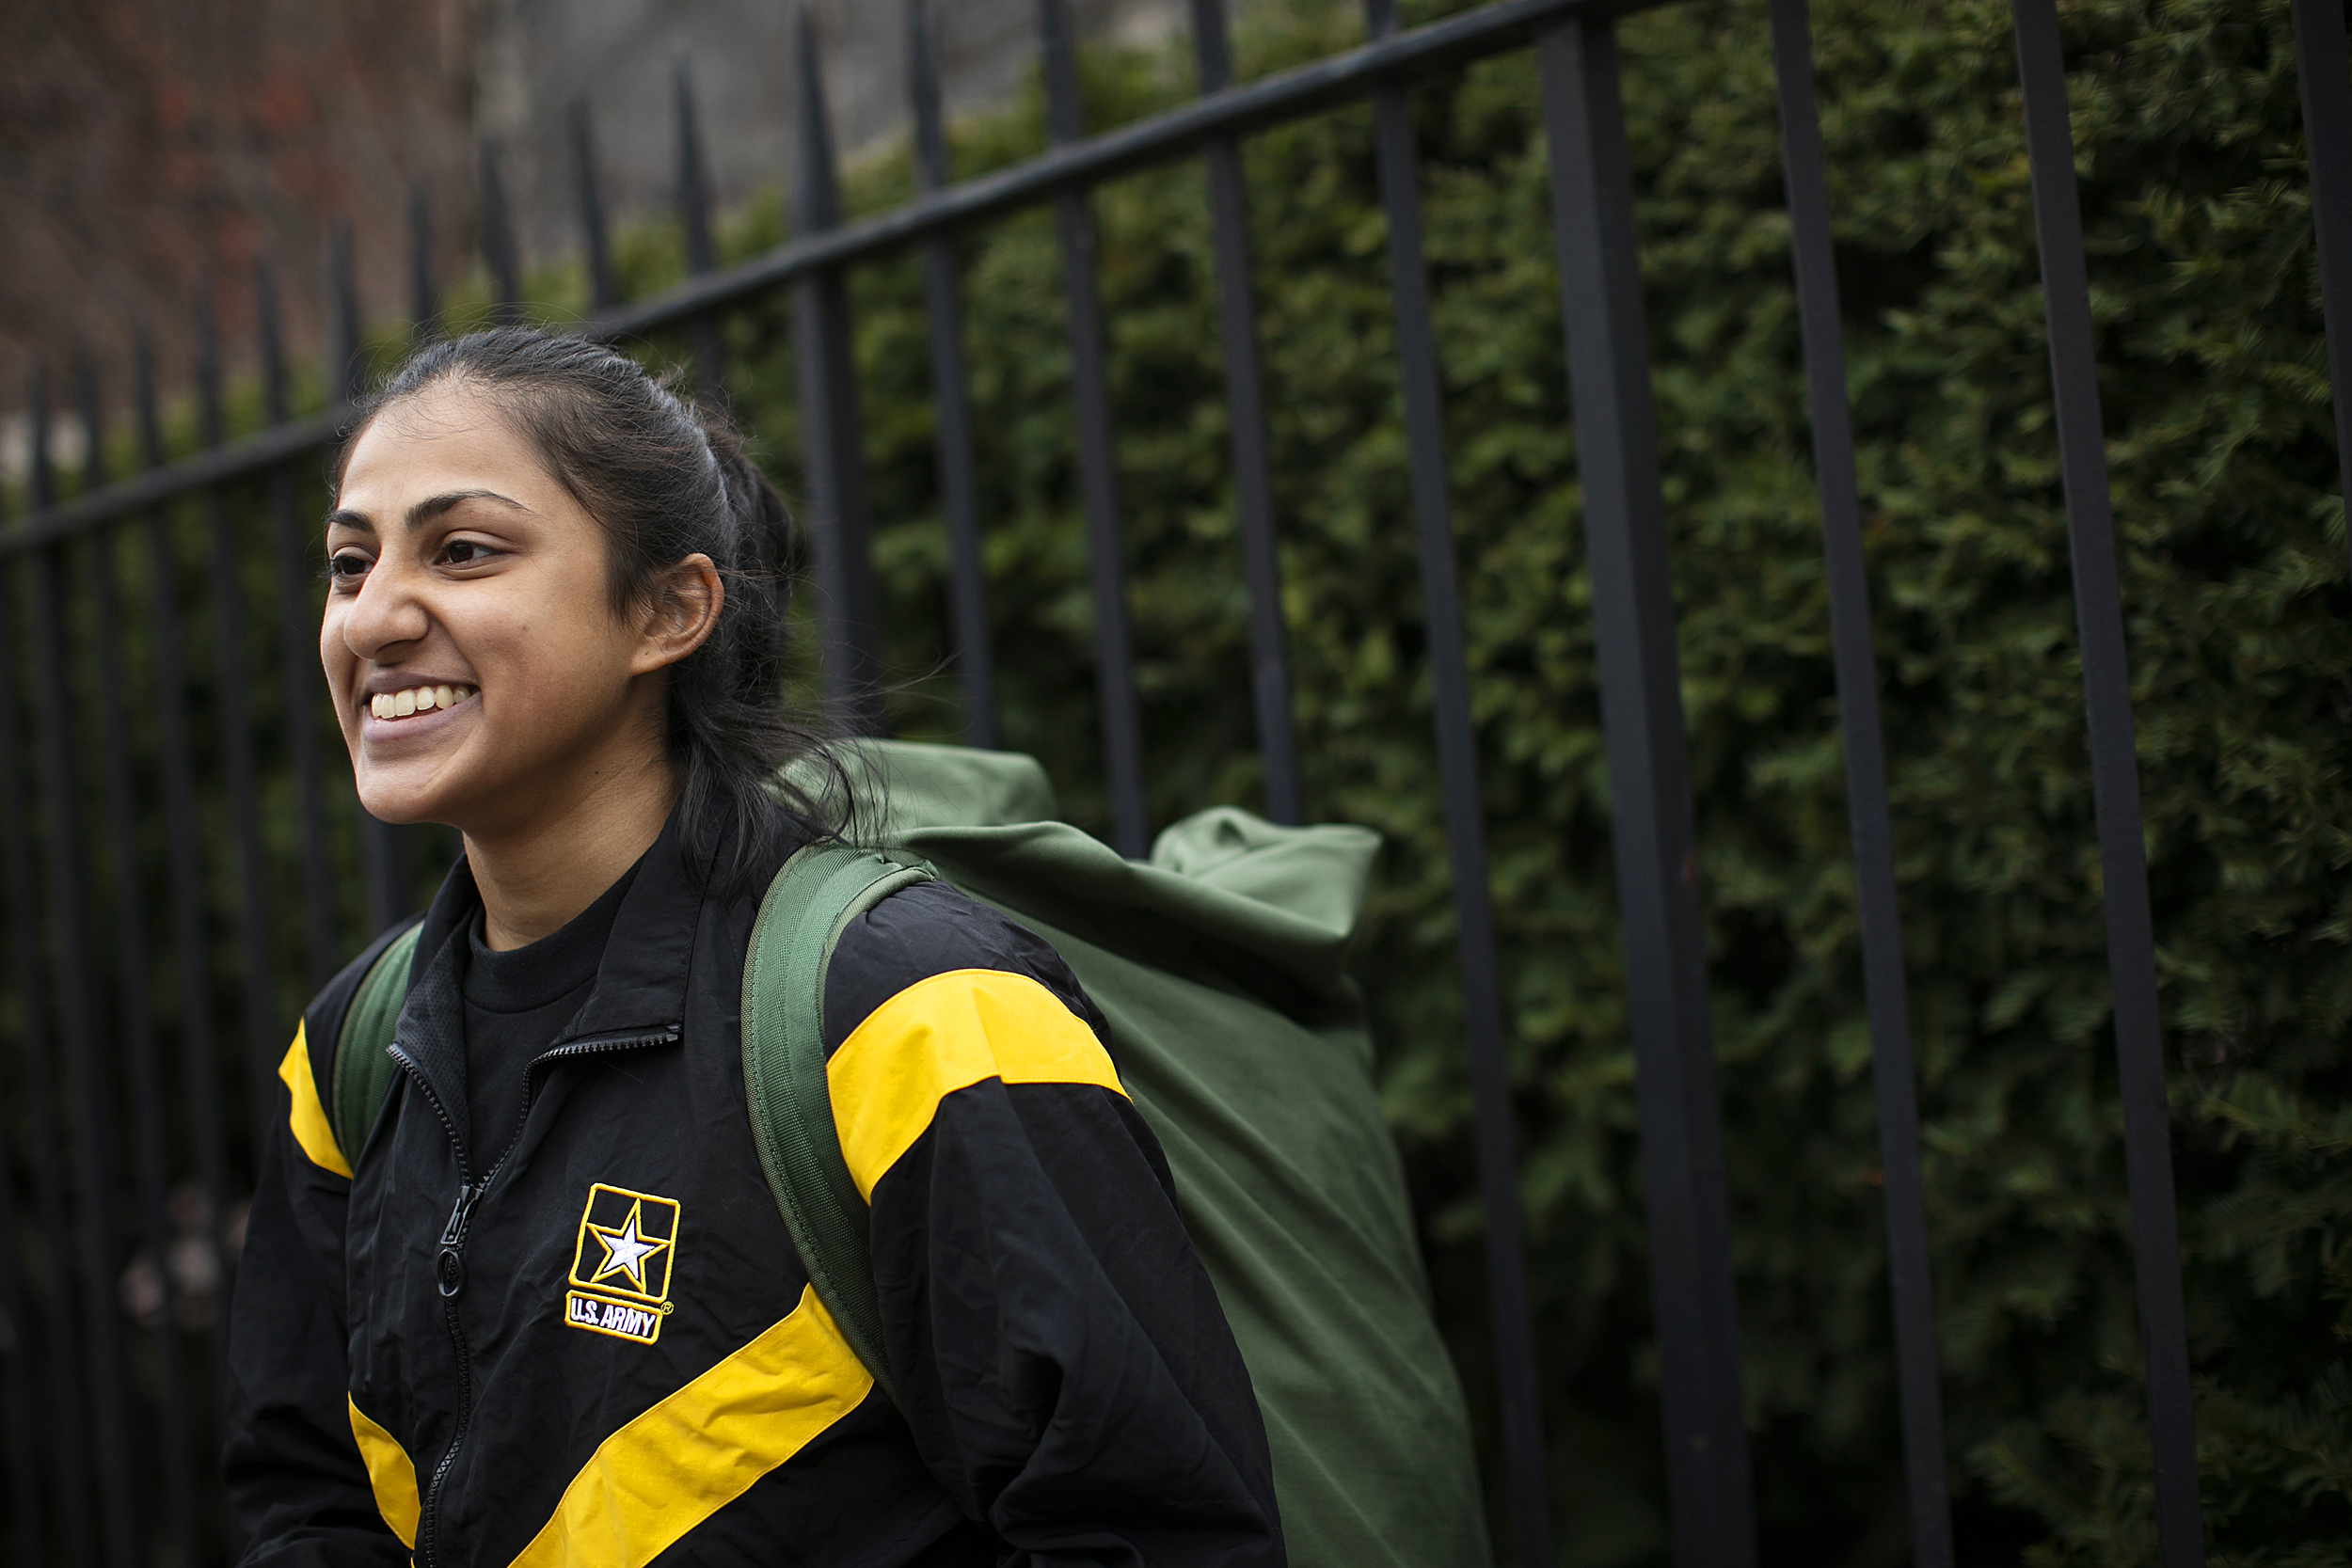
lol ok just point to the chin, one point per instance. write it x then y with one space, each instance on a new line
391 802
402 813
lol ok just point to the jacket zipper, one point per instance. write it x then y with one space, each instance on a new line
448 1266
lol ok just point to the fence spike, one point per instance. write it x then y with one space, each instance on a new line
693 198
601 293
150 422
43 476
273 340
346 372
959 484
424 299
211 428
832 439
816 189
931 132
93 419
497 239
693 185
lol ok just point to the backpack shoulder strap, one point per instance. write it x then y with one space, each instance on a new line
813 897
363 1067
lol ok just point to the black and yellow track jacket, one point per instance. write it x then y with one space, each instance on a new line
595 1346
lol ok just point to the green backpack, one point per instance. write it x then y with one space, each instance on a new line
1221 966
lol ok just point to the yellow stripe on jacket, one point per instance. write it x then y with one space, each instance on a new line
391 1475
699 1450
943 1034
307 1114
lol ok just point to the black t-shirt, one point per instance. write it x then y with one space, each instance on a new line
517 1003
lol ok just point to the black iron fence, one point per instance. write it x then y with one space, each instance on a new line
124 1069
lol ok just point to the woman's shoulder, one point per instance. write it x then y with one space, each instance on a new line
928 929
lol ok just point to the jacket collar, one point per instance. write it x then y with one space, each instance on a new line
640 980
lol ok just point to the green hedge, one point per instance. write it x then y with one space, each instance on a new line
2233 559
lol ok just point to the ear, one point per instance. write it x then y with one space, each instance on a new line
682 605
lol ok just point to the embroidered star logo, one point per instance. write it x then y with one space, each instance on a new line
626 1248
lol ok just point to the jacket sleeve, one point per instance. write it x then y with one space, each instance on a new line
1059 1351
298 1488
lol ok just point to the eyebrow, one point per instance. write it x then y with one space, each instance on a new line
423 512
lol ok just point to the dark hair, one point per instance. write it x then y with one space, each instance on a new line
664 480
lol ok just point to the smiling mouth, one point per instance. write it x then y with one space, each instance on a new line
417 699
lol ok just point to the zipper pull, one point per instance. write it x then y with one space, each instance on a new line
449 1268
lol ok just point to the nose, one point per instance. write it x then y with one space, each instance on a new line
385 613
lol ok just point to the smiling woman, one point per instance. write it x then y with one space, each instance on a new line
496 489
545 1308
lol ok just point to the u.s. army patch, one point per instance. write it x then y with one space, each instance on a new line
622 1262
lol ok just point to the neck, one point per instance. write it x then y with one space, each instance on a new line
535 875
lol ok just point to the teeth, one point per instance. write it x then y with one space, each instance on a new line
417 699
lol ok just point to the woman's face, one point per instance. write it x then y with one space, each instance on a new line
480 672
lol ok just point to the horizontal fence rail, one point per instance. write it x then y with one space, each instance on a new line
151 964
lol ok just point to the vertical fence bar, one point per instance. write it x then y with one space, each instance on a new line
346 364
1098 482
832 438
27 1521
958 483
1465 834
2114 781
200 1061
1649 796
233 702
702 256
497 239
1245 414
177 1517
80 1032
297 628
602 294
425 297
382 849
2325 78
68 1448
1884 987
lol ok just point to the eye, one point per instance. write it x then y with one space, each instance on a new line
344 568
465 552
